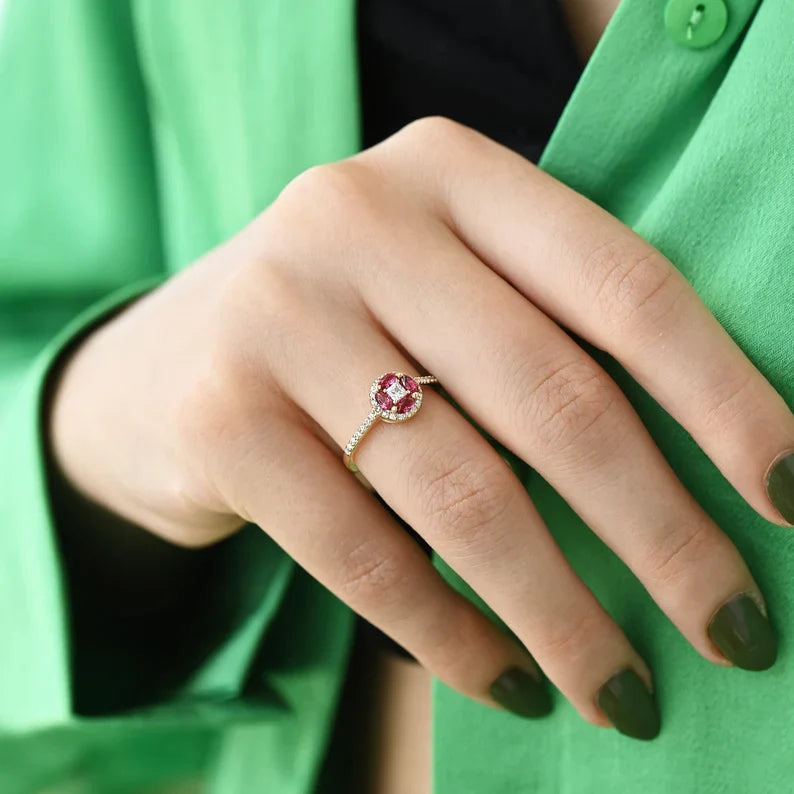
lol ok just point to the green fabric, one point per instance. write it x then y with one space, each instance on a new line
133 137
695 149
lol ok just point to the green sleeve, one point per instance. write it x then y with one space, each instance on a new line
34 650
79 237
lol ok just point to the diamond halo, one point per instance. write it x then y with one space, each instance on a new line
394 397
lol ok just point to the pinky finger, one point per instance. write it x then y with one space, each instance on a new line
342 536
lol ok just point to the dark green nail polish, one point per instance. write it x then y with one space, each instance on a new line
520 693
780 487
743 634
630 706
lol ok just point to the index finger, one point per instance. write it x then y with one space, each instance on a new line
594 275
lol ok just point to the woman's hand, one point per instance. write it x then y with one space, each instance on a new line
227 395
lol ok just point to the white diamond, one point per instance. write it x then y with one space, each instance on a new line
396 391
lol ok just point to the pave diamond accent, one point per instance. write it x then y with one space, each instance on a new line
359 434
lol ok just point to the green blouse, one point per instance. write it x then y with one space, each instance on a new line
136 135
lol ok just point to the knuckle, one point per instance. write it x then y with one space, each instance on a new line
465 500
568 640
327 217
434 129
731 401
328 189
680 554
569 403
436 134
368 576
635 288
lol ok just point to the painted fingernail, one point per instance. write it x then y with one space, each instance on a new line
521 693
780 486
743 634
630 706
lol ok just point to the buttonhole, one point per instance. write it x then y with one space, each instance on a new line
695 19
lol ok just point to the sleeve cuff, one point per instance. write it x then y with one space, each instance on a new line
35 689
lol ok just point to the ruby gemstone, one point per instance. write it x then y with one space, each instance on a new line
409 383
383 400
405 405
387 380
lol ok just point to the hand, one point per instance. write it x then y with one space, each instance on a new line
227 395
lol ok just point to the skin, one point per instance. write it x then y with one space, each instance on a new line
227 395
586 21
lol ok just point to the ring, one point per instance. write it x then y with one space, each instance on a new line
395 397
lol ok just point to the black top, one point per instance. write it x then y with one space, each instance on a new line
504 67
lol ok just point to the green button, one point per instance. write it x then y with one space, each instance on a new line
695 23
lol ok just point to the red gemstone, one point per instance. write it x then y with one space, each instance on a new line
383 400
405 405
387 380
409 383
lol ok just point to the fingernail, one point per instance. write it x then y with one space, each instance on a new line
521 693
744 635
780 486
630 706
